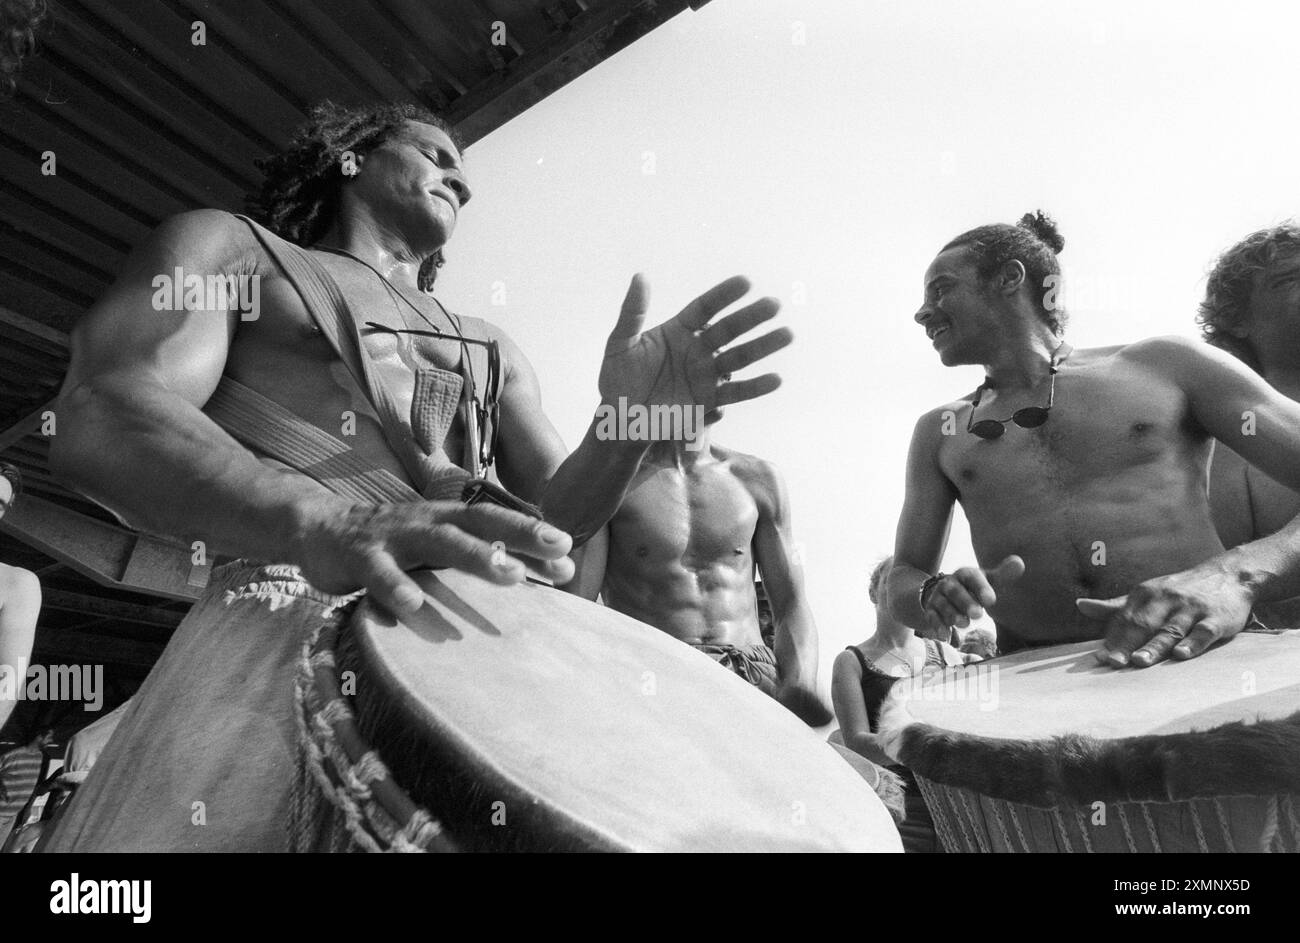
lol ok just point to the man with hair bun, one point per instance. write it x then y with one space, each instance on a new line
1082 472
1252 310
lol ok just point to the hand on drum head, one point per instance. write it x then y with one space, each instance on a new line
372 547
962 596
682 361
1183 615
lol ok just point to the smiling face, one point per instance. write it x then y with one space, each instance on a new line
958 313
414 183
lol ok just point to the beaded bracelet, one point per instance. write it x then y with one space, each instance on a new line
930 583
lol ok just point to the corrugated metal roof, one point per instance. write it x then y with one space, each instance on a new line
144 124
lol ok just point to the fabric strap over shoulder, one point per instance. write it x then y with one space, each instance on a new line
436 475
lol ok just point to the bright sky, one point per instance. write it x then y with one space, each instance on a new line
827 150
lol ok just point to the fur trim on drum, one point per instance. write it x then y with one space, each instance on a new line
1236 759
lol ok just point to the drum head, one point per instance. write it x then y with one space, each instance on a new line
1050 692
610 730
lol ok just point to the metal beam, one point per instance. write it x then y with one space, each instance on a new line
109 555
69 646
586 41
34 328
24 427
97 606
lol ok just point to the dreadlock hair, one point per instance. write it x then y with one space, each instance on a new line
1231 284
1035 242
11 474
19 20
300 194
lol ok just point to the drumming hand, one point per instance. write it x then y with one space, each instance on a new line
372 547
962 596
1183 614
678 362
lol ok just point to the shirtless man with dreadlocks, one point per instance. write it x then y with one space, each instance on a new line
373 195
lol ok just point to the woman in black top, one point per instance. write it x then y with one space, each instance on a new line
863 677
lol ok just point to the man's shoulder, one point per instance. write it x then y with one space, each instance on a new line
1157 351
952 406
750 469
516 369
761 479
205 224
740 461
212 235
933 423
1187 361
481 329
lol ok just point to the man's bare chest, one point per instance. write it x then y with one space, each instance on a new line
704 517
394 328
1099 428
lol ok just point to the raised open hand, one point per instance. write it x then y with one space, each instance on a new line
682 361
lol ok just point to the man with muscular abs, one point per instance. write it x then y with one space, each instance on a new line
680 555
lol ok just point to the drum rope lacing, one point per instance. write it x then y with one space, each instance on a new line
977 832
1291 817
1080 821
334 781
1020 832
1060 824
1223 824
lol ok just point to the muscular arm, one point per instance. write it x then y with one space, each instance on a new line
578 493
131 431
1230 497
589 562
20 607
795 637
587 490
1240 409
1184 613
924 523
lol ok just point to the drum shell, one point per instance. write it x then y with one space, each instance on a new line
591 731
1196 756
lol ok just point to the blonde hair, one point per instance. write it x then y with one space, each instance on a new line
876 585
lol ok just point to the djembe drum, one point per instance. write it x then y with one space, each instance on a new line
525 718
1046 750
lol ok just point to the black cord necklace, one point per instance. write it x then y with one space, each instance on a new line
394 290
